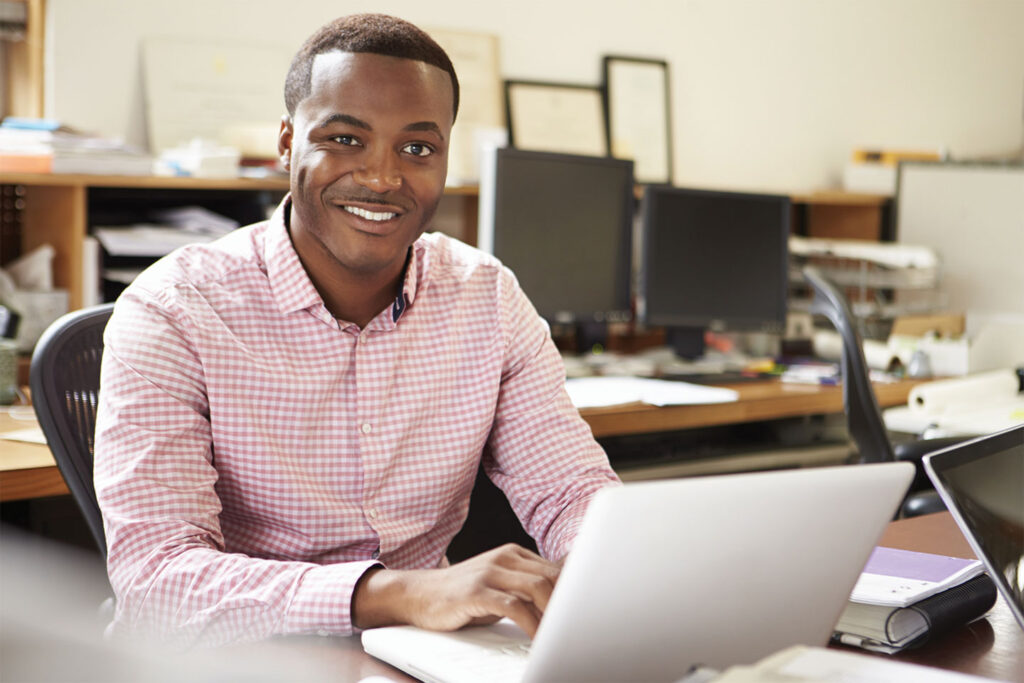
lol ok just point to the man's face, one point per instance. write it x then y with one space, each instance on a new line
367 152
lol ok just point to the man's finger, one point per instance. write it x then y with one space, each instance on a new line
523 613
524 585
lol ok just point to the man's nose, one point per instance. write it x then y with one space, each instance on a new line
380 173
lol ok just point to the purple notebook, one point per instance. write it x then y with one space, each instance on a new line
902 577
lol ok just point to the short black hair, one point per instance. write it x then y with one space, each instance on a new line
373 33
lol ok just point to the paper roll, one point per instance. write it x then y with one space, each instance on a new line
828 345
948 395
878 354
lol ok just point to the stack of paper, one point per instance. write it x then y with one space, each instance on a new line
42 146
597 392
177 227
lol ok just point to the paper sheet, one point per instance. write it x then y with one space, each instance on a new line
28 435
598 392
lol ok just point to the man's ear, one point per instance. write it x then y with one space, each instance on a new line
284 142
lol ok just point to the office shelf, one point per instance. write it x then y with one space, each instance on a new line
61 209
58 209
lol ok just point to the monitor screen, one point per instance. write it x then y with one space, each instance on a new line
563 224
715 260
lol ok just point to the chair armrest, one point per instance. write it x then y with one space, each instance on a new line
913 451
922 503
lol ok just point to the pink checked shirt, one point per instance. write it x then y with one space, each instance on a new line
255 456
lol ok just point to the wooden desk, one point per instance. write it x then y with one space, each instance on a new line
768 400
27 470
992 647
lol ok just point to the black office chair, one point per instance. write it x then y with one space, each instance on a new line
864 419
490 523
65 381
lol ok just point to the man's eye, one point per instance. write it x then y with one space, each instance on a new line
345 140
418 149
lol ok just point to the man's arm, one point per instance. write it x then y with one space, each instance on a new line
543 456
155 481
541 453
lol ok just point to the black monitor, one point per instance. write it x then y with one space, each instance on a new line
563 224
713 260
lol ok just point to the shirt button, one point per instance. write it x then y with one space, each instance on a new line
372 513
366 428
375 554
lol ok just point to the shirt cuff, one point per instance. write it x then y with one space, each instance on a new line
323 599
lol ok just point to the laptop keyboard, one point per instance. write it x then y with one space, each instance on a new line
498 663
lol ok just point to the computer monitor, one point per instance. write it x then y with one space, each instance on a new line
713 260
563 224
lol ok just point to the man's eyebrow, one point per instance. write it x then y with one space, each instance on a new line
427 126
346 119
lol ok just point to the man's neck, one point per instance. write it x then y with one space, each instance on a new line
355 297
359 301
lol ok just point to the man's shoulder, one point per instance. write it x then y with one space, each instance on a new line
443 254
204 263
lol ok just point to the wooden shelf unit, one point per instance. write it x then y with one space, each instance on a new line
843 215
56 211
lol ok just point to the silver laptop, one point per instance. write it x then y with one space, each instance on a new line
982 484
670 575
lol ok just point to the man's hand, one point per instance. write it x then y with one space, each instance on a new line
509 581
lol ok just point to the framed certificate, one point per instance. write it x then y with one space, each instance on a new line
556 117
639 115
481 106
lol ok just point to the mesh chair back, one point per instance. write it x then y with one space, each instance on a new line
65 381
864 418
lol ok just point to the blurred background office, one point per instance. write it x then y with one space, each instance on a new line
768 96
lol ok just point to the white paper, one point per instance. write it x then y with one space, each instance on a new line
146 240
886 254
818 664
597 392
27 435
198 88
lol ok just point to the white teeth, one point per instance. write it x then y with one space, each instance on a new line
370 215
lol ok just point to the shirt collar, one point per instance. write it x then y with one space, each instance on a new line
292 288
410 280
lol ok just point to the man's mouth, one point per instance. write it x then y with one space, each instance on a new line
365 214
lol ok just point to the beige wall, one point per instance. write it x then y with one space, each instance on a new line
766 94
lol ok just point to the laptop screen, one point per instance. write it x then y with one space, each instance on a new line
983 483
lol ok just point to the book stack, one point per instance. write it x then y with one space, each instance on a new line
45 146
904 598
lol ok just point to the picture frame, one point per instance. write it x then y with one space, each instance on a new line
639 115
476 58
556 117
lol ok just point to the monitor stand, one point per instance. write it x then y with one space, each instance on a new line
591 336
687 342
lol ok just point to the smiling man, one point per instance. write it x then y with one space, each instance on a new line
292 417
